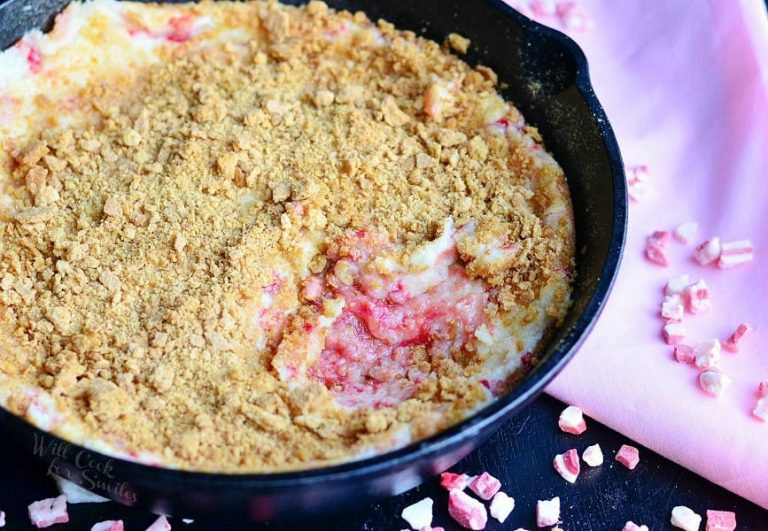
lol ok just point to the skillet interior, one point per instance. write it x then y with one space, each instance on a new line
546 77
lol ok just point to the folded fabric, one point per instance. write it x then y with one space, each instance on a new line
685 86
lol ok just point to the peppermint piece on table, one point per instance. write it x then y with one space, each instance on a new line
714 382
108 525
676 285
673 307
419 514
467 511
708 251
721 521
732 343
572 421
632 526
686 232
485 486
568 465
547 512
684 353
501 506
161 524
2 518
45 513
655 254
735 253
762 388
708 354
673 332
75 493
593 455
449 480
628 456
761 409
698 298
685 518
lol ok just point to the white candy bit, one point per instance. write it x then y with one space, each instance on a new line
45 513
161 524
187 520
708 252
547 512
672 307
632 526
485 486
572 421
637 182
629 456
686 232
732 343
567 465
708 354
714 382
761 409
2 518
698 298
685 354
673 332
593 455
735 253
77 494
108 525
501 506
677 285
467 511
684 518
418 515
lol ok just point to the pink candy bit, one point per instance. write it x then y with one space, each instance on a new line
684 518
721 521
572 17
468 512
659 237
735 253
713 382
449 480
673 332
501 506
161 524
708 354
655 253
672 307
761 409
637 182
45 513
108 525
698 297
485 486
732 343
547 512
593 455
572 421
686 232
708 252
684 353
419 514
567 465
632 526
762 388
628 456
676 285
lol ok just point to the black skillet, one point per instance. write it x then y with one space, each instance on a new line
546 77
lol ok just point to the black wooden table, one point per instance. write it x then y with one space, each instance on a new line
520 456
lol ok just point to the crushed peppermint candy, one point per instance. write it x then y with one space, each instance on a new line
676 285
45 513
568 465
629 456
449 480
75 493
161 524
485 486
714 382
655 253
572 420
673 332
637 182
698 297
735 253
632 526
659 237
721 521
762 388
686 232
501 506
673 307
2 518
732 343
685 353
593 455
708 354
573 17
108 525
761 409
547 512
467 511
708 251
685 518
419 514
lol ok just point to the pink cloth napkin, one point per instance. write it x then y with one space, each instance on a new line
685 86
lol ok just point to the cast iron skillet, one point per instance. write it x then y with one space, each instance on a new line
546 77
